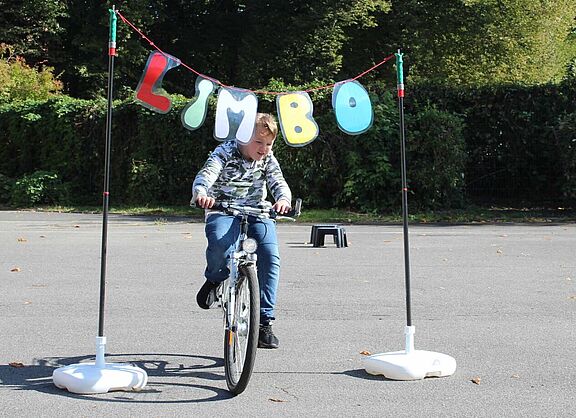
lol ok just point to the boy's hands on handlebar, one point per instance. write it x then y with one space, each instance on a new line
282 207
205 202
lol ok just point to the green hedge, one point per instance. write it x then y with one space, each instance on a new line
507 142
511 132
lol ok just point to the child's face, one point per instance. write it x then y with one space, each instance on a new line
260 145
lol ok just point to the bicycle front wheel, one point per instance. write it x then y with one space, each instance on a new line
241 337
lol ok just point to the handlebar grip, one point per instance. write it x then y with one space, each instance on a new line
295 211
297 208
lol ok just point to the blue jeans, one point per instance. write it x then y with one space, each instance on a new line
222 232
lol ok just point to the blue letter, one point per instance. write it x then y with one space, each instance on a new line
353 108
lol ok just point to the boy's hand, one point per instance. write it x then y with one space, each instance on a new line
282 206
205 202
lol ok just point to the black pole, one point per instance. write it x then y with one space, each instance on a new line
106 194
400 73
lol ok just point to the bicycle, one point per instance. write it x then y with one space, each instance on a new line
239 297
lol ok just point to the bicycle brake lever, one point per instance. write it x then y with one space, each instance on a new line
297 207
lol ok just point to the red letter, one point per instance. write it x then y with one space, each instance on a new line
149 91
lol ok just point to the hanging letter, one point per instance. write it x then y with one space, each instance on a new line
235 115
149 91
296 121
353 108
194 114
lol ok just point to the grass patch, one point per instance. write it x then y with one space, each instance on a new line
472 214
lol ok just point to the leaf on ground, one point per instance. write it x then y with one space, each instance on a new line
16 364
515 376
366 353
476 380
276 400
21 239
15 269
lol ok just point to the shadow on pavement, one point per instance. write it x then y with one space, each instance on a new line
38 376
357 373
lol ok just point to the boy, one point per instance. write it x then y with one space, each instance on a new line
241 174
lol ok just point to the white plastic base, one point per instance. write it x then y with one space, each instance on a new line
410 364
99 377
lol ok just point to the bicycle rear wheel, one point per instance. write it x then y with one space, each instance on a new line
241 339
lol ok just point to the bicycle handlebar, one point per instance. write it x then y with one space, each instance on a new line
234 209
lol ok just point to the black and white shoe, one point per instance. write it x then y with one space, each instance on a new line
206 296
266 338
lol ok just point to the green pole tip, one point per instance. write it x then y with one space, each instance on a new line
399 67
113 20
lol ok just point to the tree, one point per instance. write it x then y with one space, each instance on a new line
481 41
32 27
239 43
19 81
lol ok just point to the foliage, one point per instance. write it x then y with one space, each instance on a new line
61 135
372 181
509 130
40 187
476 42
437 158
19 81
516 140
146 182
471 42
566 137
6 185
33 27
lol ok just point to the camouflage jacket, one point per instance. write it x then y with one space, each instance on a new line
227 175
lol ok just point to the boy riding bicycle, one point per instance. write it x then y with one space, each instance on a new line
241 174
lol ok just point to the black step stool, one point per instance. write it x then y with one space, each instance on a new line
319 232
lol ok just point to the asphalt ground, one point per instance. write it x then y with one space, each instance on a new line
500 299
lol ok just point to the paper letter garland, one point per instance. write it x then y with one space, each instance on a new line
149 91
235 115
236 108
295 115
352 106
194 114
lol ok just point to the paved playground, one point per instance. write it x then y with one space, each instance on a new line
500 299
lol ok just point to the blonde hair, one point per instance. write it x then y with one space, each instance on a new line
267 121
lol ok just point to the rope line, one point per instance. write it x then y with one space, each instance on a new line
327 86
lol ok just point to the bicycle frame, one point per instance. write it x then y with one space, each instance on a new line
237 258
239 296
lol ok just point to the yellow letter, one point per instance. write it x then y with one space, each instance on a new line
295 115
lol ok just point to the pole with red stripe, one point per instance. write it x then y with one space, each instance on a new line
106 193
400 79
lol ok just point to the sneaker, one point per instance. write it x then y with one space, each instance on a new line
266 338
206 296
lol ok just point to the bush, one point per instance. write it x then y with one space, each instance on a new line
370 162
512 156
437 159
19 81
146 183
40 187
6 185
517 147
567 156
